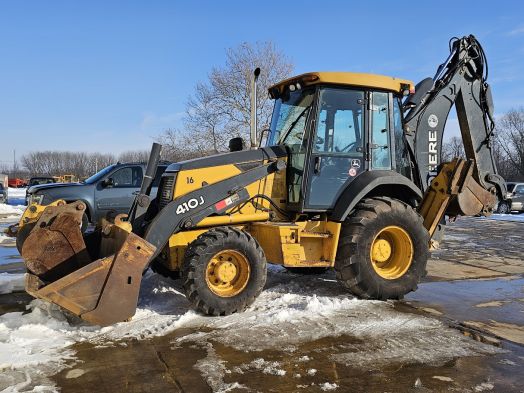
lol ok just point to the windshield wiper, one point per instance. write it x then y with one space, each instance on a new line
306 110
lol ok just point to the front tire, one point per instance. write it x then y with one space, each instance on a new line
224 271
383 250
504 208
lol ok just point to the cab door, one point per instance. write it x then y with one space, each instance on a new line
118 190
337 146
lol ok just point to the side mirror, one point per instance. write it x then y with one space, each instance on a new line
236 144
107 183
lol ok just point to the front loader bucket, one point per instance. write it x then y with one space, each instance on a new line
61 267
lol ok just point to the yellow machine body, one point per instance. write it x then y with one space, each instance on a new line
294 244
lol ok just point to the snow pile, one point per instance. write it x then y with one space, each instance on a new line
11 210
506 217
292 310
11 282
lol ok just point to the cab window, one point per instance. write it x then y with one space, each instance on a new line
339 121
380 151
401 151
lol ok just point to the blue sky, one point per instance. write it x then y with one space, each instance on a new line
108 76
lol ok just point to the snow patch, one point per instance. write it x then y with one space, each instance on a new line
505 217
326 386
267 367
16 196
11 210
289 312
213 370
11 282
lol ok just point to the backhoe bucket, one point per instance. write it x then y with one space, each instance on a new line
97 277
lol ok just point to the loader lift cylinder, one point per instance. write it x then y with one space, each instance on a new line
142 200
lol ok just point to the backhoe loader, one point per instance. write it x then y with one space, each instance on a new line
350 178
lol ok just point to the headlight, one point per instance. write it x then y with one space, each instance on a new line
35 198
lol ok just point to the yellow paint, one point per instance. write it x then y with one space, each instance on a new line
193 179
33 212
227 273
174 254
391 252
303 243
228 219
348 79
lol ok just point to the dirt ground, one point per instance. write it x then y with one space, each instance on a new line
461 331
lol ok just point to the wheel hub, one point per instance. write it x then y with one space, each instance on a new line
391 252
381 250
227 273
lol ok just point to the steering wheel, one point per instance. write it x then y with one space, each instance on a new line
347 148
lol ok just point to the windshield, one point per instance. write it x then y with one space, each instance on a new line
38 181
510 187
97 176
289 117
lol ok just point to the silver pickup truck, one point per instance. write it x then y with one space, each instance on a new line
110 190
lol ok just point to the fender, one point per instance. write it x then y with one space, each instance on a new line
373 183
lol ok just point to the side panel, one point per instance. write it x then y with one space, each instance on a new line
300 244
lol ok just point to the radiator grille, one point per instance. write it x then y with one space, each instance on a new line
165 191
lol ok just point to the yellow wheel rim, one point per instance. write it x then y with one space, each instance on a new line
391 252
227 273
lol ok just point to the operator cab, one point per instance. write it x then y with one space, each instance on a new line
336 126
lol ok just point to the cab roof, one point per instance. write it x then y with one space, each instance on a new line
344 78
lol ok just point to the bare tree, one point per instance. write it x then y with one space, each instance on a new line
134 156
510 138
56 163
452 148
177 146
220 107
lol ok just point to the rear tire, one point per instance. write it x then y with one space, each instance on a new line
224 271
383 249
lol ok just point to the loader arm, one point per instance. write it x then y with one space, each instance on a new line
97 277
459 81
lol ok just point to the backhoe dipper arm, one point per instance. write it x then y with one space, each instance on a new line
460 80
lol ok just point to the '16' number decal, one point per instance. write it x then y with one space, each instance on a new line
184 207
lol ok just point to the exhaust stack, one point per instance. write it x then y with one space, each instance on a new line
253 137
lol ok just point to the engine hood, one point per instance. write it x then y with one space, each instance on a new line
40 187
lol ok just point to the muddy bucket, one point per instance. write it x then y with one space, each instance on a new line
96 277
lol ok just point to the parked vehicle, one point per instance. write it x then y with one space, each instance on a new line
514 199
35 181
16 182
66 179
113 189
3 193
